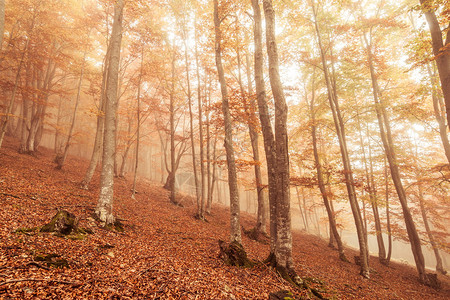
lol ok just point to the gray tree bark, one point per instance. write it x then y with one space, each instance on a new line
340 130
104 209
267 131
283 250
440 50
235 230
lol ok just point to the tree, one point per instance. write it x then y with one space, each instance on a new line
235 230
320 177
2 21
266 126
388 144
283 249
104 209
440 50
340 130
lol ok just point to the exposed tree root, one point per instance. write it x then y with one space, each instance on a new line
291 276
257 235
234 254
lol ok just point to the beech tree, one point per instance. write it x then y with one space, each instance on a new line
441 43
340 130
104 209
235 230
389 148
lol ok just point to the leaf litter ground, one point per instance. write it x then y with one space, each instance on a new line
164 252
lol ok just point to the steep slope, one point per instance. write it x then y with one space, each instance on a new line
164 253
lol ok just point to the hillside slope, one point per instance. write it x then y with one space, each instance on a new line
164 253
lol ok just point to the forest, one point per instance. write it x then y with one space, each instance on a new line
191 148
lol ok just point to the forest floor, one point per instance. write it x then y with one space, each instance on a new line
163 253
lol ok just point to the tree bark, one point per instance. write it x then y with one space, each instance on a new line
235 230
264 117
104 209
340 131
171 177
98 142
261 222
2 21
283 253
191 124
61 159
388 144
439 112
440 50
138 130
16 83
200 129
334 234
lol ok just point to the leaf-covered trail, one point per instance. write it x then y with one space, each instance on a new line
164 252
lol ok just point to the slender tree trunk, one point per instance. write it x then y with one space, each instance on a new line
252 127
104 209
331 219
61 159
301 209
388 217
235 230
209 159
171 177
98 142
371 189
440 50
339 125
191 124
283 253
2 21
200 129
138 130
439 266
17 81
264 117
388 144
439 112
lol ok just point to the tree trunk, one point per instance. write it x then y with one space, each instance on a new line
232 173
283 253
439 112
439 266
61 159
388 144
98 142
2 21
138 130
16 83
264 117
331 219
209 159
104 209
371 189
440 50
261 222
171 177
200 129
191 124
388 216
339 125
